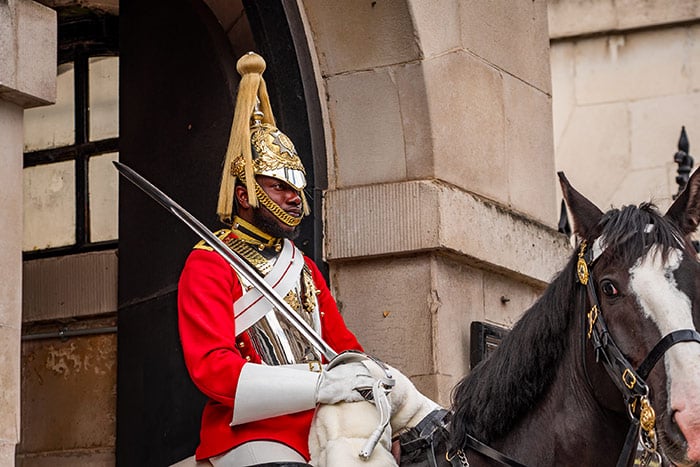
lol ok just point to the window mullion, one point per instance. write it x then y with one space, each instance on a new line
82 132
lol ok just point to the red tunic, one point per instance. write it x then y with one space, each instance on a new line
214 357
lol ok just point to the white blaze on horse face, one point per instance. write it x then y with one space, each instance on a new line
669 308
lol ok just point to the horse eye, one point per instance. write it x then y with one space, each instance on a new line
609 288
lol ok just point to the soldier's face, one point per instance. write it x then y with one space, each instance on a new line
286 198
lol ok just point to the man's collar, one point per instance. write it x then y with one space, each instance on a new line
251 234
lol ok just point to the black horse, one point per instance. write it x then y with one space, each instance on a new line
607 358
565 385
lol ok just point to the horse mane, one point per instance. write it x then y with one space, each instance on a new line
502 389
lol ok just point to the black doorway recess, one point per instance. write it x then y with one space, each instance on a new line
177 92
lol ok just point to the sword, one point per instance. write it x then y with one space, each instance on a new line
232 258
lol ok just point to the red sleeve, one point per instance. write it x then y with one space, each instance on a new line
333 328
207 290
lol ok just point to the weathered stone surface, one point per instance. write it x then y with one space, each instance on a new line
512 36
361 35
366 121
528 151
11 219
9 384
415 216
28 53
578 17
86 458
465 97
378 310
437 25
69 394
658 56
594 150
563 88
425 311
619 104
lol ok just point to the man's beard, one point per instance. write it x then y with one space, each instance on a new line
268 223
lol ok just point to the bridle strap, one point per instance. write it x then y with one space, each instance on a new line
671 339
490 452
631 383
621 371
630 445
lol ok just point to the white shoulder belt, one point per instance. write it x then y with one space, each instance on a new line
284 276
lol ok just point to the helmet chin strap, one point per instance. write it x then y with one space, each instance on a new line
275 208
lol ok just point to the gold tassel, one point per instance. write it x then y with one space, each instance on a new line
251 91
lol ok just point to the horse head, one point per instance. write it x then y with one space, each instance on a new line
645 285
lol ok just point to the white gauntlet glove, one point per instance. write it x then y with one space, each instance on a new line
343 382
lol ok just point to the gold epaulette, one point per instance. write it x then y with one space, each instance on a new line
203 245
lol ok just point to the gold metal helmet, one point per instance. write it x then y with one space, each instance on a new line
257 147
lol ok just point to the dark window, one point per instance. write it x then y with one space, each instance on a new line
70 186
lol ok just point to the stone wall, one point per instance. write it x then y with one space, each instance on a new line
625 79
438 121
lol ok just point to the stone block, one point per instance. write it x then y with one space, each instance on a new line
83 458
567 18
594 150
50 292
563 91
416 120
458 289
69 394
693 43
505 300
9 384
11 208
28 53
636 186
465 96
414 216
415 312
368 135
655 127
510 35
389 301
381 219
436 24
7 453
572 18
361 35
499 240
608 68
529 151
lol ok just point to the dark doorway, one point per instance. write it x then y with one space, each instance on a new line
177 91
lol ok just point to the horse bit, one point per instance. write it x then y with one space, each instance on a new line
629 381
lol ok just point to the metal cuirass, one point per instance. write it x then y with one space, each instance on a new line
277 341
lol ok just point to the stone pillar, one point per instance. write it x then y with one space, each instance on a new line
27 79
441 201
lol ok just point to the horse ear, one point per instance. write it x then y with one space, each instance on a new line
685 211
585 214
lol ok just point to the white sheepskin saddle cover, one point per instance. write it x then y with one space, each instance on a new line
340 431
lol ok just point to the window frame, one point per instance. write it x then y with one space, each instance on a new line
82 35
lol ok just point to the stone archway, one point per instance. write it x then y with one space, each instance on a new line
440 121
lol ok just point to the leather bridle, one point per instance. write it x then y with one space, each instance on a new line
630 381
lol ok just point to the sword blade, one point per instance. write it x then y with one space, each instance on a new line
236 262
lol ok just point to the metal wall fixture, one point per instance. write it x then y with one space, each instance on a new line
64 333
